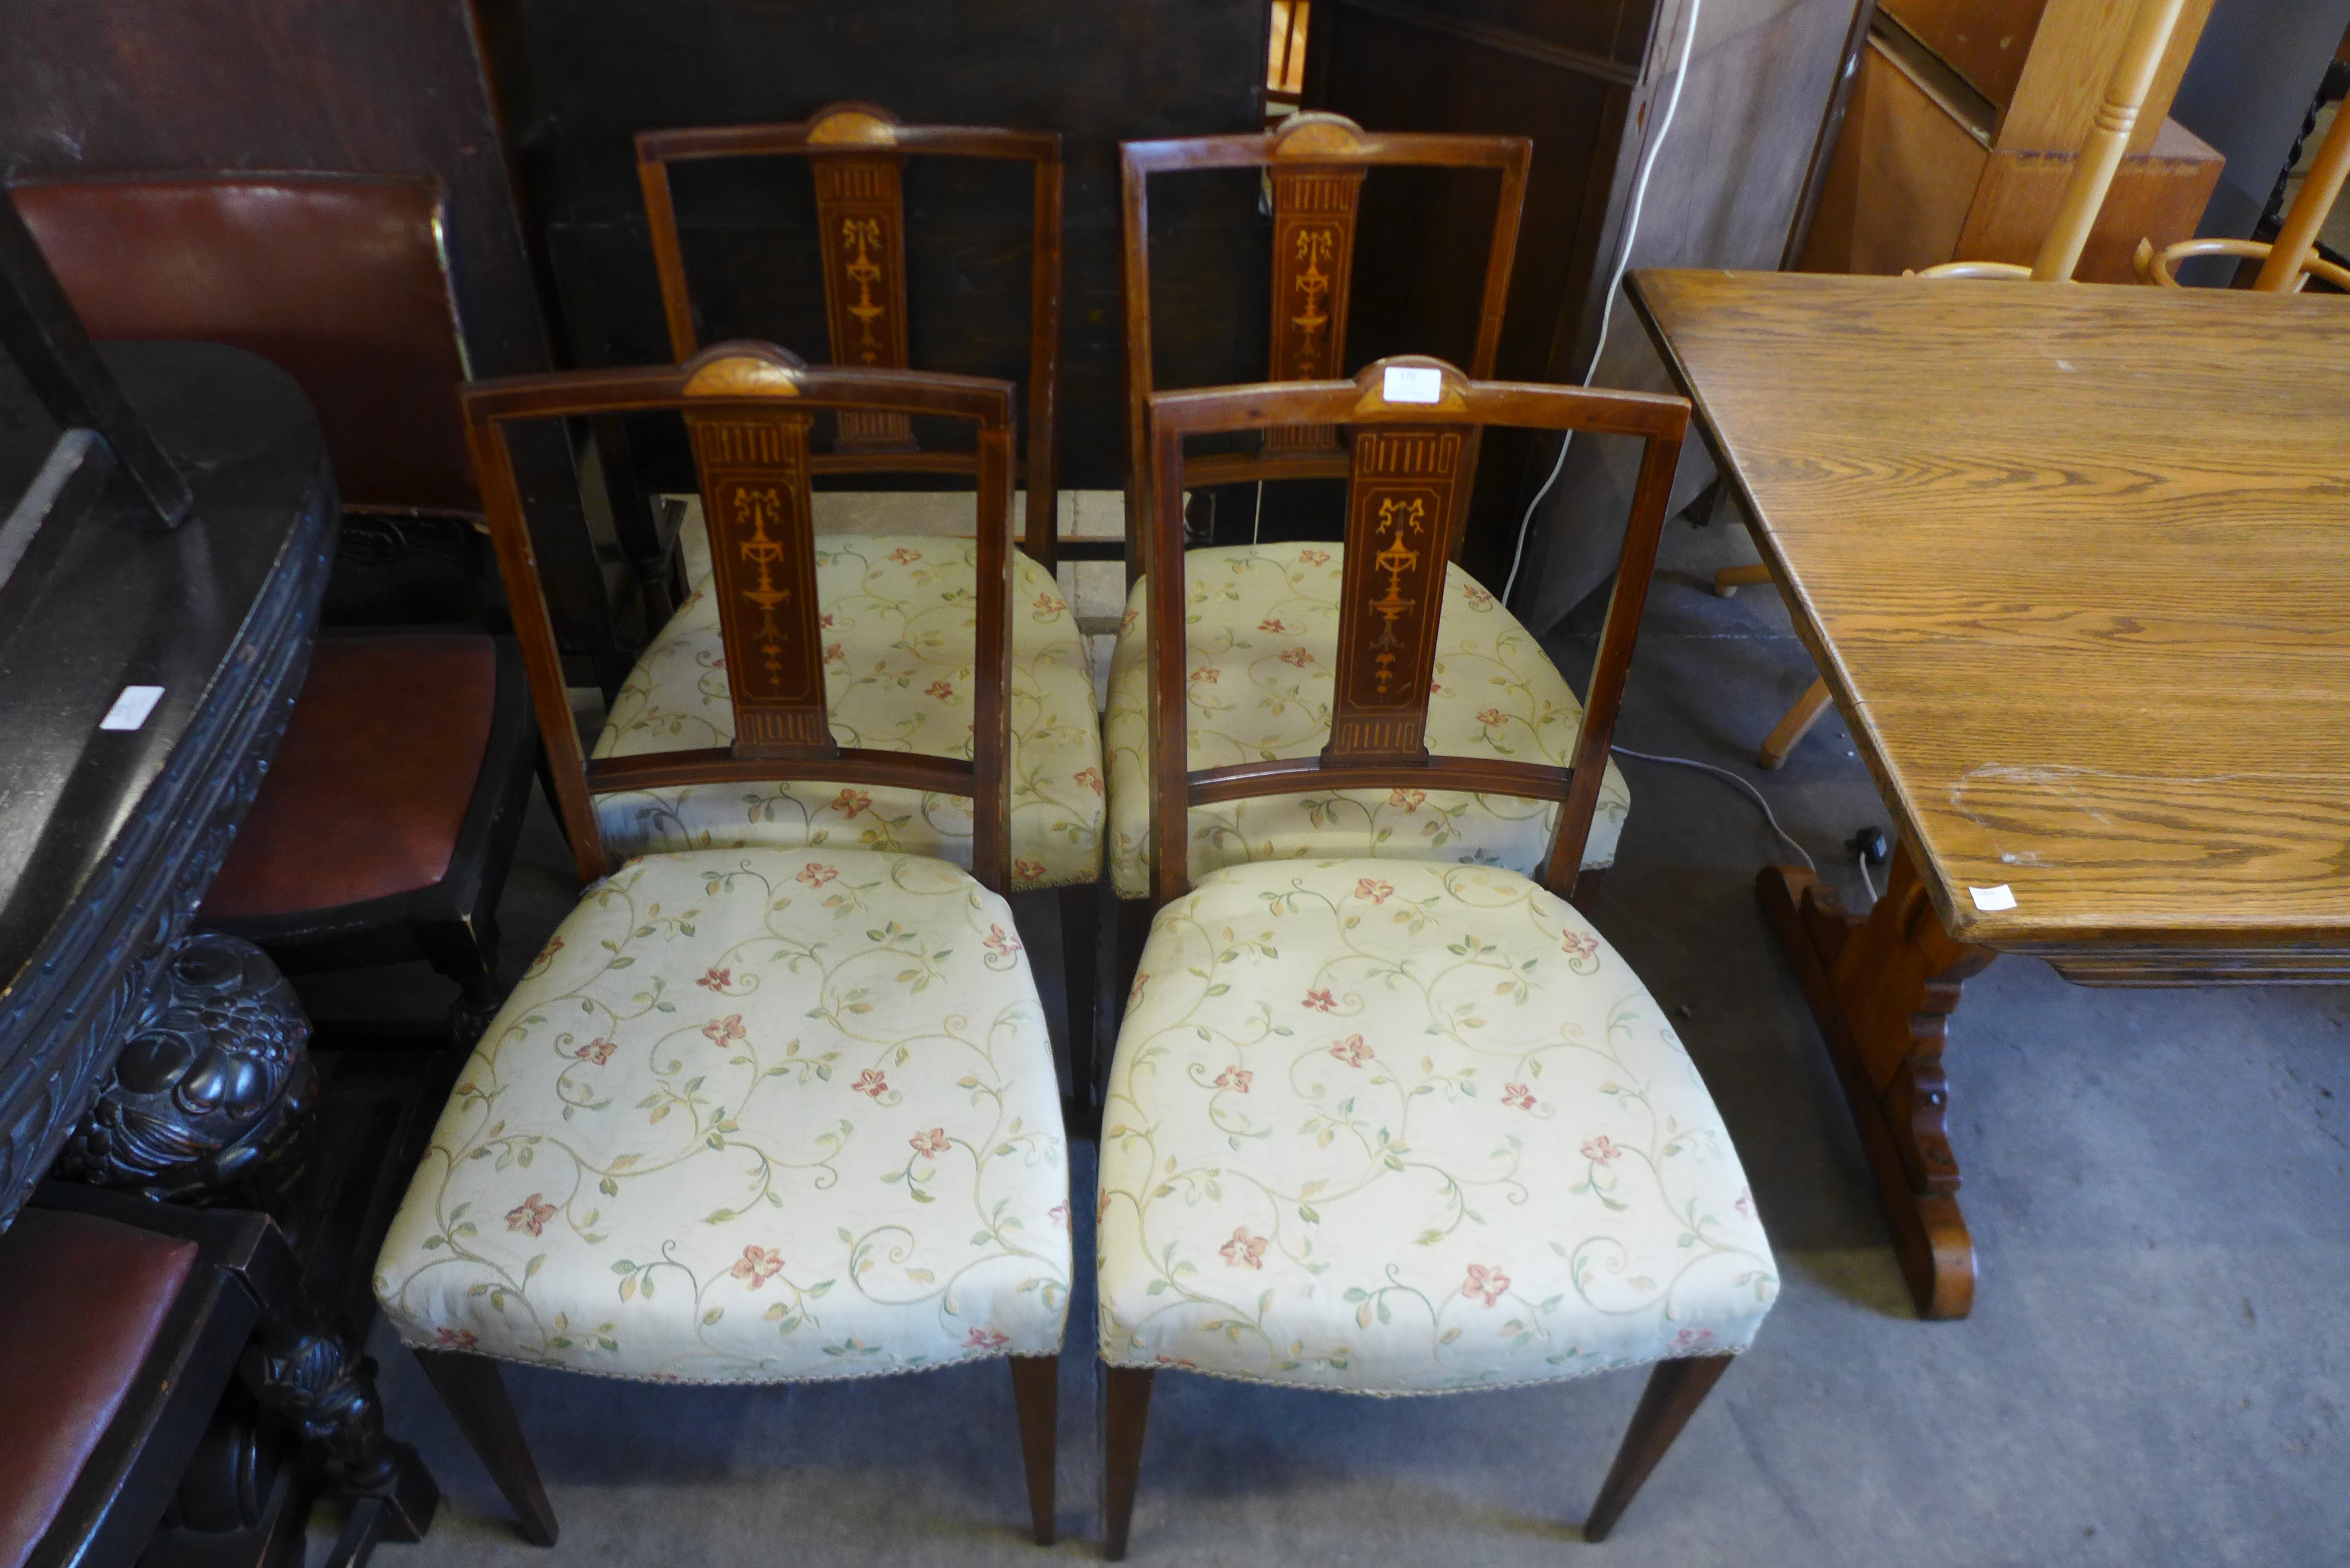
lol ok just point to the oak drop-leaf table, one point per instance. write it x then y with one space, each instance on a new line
2075 561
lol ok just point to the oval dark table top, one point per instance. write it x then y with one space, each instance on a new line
108 836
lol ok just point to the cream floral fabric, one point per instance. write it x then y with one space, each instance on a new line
1393 1126
1264 631
753 1115
898 677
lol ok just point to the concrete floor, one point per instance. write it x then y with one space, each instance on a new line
2156 1372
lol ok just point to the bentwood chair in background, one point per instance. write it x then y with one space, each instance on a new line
756 1115
888 689
384 828
1390 1126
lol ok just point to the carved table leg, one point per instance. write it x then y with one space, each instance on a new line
208 1104
1882 989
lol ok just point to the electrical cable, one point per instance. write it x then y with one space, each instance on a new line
1784 836
1866 880
1608 304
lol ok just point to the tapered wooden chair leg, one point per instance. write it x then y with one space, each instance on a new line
1036 1390
1125 1412
1675 1390
476 1395
1080 934
1795 726
1730 579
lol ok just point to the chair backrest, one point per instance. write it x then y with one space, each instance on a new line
747 409
340 280
1413 419
1315 165
2288 264
857 153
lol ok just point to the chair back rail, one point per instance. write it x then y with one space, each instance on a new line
747 409
857 154
1405 513
1315 166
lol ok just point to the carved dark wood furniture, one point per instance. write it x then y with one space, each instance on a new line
154 622
2146 509
1315 166
752 936
385 831
1256 1108
857 155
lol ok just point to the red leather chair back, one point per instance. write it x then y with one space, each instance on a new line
338 279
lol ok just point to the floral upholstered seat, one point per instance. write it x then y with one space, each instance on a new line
897 614
1263 638
1394 1127
753 1115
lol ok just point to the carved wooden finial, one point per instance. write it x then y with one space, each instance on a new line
1316 131
852 125
742 368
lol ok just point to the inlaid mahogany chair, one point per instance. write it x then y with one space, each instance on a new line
857 153
384 828
756 1114
2060 252
1392 1126
889 688
1263 619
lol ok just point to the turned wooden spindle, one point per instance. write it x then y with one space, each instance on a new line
2108 139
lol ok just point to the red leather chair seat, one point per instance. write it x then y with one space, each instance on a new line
369 790
81 1302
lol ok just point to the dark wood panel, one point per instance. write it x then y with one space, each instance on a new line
1570 74
581 77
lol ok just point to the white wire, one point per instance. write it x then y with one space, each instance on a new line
1608 304
1866 879
1785 838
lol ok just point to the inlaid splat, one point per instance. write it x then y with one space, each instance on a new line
753 470
1399 537
1314 213
861 212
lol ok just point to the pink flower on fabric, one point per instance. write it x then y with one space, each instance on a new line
1518 1096
1244 1250
1091 778
458 1338
1315 558
530 1214
940 689
1578 944
871 1082
1689 1338
716 979
1489 1283
986 1339
722 1030
1298 657
1048 605
832 653
1745 1203
826 622
1000 944
1352 1051
1236 1079
1492 718
1321 1000
1475 594
1059 1215
1599 1151
757 1265
1376 892
932 1144
817 875
1409 799
1207 673
598 1051
1027 870
1271 623
849 802
904 556
545 956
